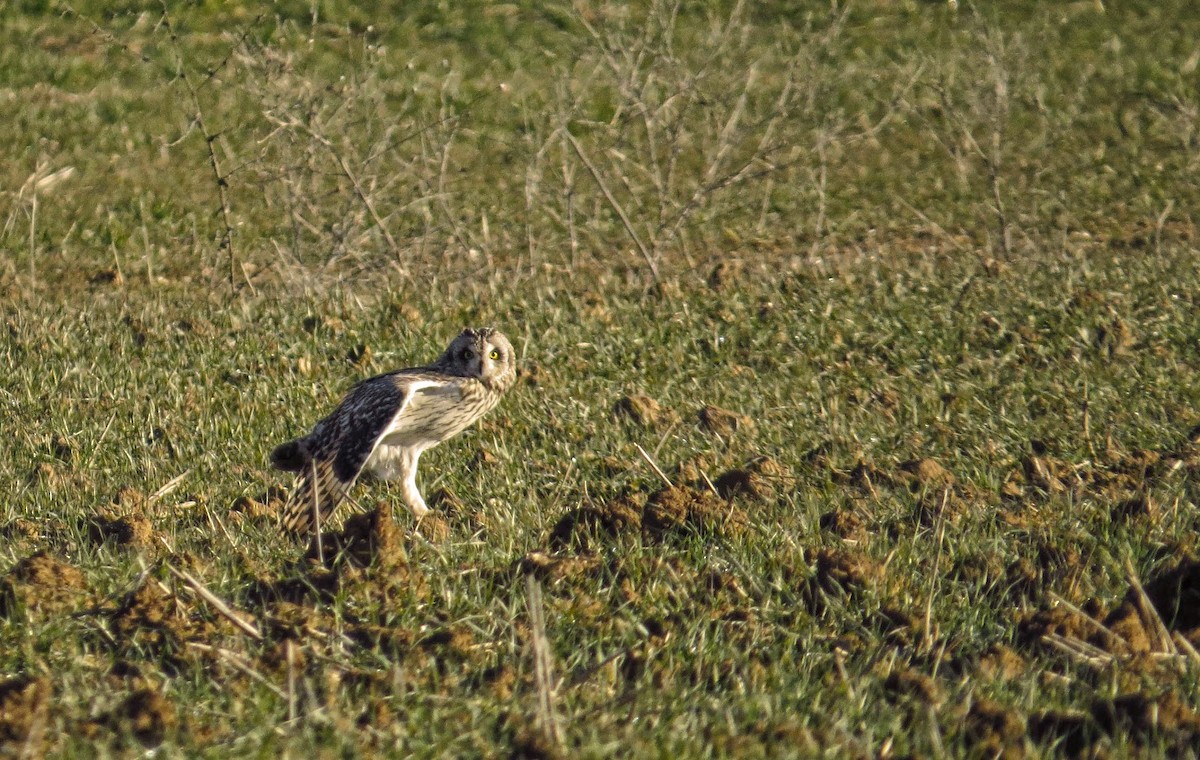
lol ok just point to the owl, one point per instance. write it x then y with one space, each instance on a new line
384 424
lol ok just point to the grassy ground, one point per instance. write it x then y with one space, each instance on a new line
902 299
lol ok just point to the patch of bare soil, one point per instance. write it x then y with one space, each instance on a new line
147 715
643 411
995 731
914 684
1119 477
864 476
130 529
724 422
266 507
680 508
614 519
945 507
840 573
531 742
1175 593
153 617
1000 663
1073 733
925 473
367 539
24 704
846 524
41 584
1051 568
1144 636
1145 717
760 480
1034 629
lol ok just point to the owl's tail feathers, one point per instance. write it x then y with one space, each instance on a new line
292 456
317 495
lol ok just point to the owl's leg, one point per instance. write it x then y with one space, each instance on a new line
412 494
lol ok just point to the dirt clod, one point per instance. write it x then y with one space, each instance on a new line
24 701
926 473
681 508
1000 663
42 584
1073 733
532 743
123 530
642 410
840 571
846 524
147 715
1140 507
723 422
1145 716
367 538
1175 593
610 520
759 480
995 731
914 684
556 567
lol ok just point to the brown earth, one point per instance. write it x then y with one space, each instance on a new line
611 520
995 731
761 479
366 539
643 411
123 530
43 585
680 508
724 422
24 704
845 524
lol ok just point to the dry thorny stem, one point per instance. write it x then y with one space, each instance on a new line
219 176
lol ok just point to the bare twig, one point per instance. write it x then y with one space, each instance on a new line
221 179
613 203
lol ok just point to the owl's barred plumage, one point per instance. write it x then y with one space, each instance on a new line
385 422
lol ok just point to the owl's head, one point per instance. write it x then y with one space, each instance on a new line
482 353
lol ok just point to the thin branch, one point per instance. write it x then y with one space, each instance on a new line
612 201
209 137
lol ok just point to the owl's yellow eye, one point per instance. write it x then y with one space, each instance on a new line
494 355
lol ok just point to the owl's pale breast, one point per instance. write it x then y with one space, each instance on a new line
434 414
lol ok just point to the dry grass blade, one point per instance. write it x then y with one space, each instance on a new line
240 664
657 471
542 661
1082 651
217 604
1160 637
1083 615
1185 647
169 486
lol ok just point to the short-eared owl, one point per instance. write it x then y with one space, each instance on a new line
384 423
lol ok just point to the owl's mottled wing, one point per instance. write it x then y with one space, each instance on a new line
340 445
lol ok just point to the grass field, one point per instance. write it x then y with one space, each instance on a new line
903 299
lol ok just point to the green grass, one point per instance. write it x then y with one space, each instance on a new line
393 176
